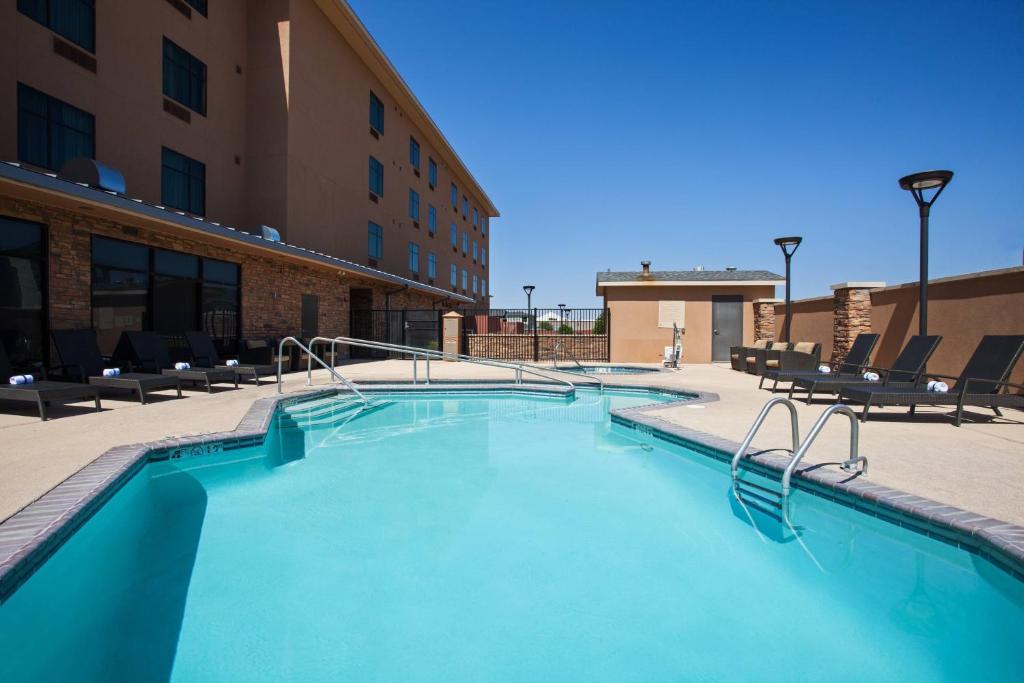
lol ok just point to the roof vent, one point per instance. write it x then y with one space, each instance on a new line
731 269
698 269
646 274
92 173
269 233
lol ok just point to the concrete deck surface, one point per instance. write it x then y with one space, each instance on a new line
979 466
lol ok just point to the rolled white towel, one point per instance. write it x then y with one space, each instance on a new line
824 368
871 376
182 366
18 379
111 372
940 387
231 363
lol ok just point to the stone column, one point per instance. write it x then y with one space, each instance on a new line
764 318
851 314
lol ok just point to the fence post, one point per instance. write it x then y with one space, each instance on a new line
532 317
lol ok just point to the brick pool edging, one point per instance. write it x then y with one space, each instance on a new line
999 542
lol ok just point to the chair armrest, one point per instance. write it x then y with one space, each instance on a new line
999 385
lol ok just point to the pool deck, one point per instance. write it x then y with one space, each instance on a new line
977 467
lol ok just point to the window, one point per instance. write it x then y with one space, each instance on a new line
184 78
414 204
375 241
23 305
483 256
50 131
475 284
483 226
376 114
183 182
198 5
455 276
455 237
464 280
465 243
483 288
455 196
431 265
431 173
414 153
465 206
476 218
71 19
475 252
431 219
376 177
414 257
135 287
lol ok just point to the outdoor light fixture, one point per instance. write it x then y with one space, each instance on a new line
529 292
789 246
933 183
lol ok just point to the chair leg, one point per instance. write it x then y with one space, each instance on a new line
760 385
98 408
913 407
42 407
810 393
179 388
142 393
995 409
775 386
959 415
864 414
209 386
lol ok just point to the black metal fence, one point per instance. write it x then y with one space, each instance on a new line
506 334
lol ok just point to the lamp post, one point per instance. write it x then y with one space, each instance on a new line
529 292
789 246
918 184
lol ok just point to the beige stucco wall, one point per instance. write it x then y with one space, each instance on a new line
812 321
636 337
286 137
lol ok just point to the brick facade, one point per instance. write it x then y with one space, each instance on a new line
764 318
271 285
851 315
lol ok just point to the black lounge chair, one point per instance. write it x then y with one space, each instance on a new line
44 392
802 356
755 359
738 354
855 362
146 351
905 371
204 351
82 361
979 385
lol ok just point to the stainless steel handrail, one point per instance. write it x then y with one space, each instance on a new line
310 358
561 345
590 378
850 465
428 354
794 427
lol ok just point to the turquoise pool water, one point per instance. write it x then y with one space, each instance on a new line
609 369
494 538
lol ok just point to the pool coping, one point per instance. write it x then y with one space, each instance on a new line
30 536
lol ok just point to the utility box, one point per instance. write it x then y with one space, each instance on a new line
451 334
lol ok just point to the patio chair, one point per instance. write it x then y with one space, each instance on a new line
854 363
803 357
979 385
755 359
81 361
738 354
44 392
905 371
146 351
204 352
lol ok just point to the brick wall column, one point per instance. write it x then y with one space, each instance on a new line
851 314
764 318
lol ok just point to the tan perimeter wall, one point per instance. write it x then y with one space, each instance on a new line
636 337
812 321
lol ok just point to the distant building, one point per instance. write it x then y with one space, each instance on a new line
712 308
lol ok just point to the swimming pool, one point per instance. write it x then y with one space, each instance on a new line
467 537
610 369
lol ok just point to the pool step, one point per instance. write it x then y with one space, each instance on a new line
330 416
321 407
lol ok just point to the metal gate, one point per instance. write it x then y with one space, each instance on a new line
420 328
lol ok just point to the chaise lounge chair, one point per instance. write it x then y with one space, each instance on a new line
905 371
82 361
45 392
738 354
980 384
754 362
204 352
856 360
145 350
800 357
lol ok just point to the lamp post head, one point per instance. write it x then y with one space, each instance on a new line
788 244
528 289
919 183
562 306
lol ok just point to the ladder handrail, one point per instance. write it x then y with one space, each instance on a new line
442 355
590 378
310 358
794 427
849 465
559 344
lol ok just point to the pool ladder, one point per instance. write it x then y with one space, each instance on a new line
766 494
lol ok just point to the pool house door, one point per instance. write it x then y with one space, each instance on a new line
726 325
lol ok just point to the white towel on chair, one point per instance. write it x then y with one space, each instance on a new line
182 366
824 368
111 372
22 379
231 363
871 376
940 387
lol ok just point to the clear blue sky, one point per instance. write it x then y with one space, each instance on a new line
695 133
